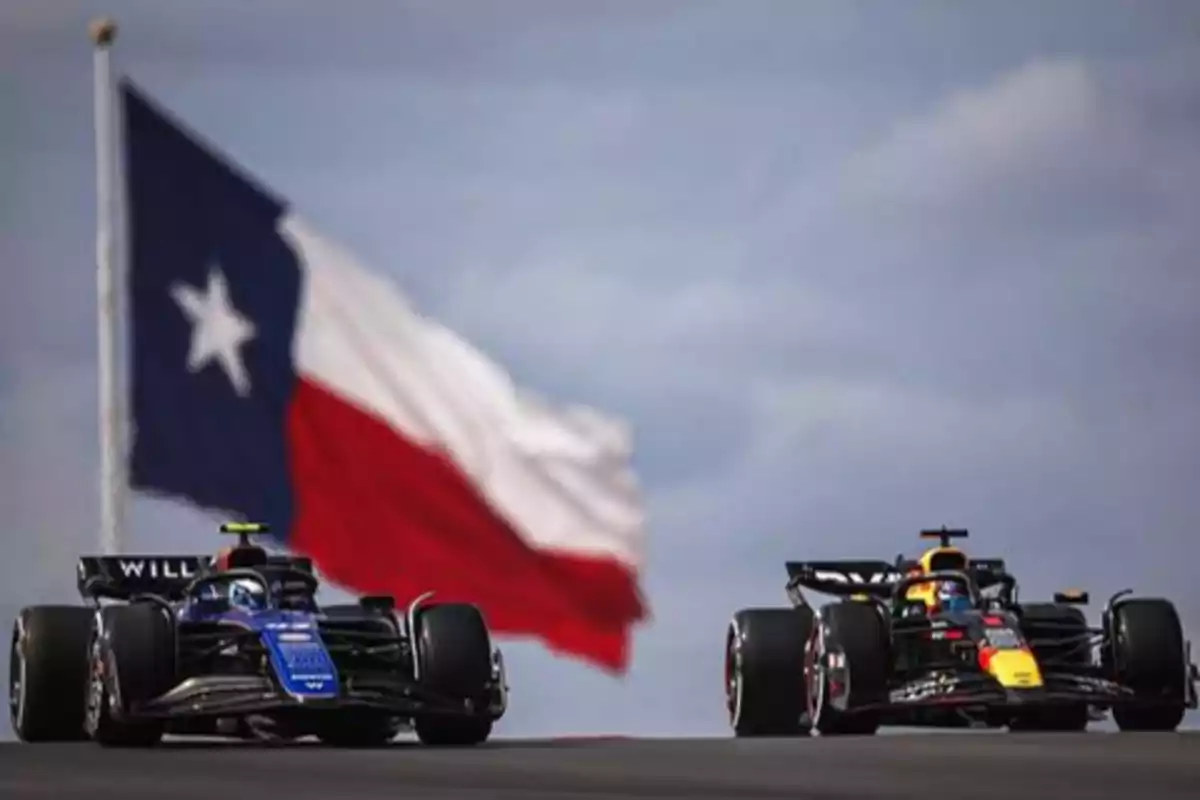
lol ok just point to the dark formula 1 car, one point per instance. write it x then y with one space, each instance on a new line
238 646
885 652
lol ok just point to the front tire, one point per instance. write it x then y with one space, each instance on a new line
1148 654
48 667
132 661
455 655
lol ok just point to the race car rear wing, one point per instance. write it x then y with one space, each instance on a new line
123 577
842 577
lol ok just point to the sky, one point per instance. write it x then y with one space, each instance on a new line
849 268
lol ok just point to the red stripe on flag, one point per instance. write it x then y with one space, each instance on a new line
382 515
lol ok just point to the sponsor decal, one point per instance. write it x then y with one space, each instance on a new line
924 689
304 656
288 626
156 568
835 576
943 635
1088 684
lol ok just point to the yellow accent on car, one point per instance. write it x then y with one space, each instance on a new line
245 527
1015 669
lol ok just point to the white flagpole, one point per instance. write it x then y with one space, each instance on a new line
112 451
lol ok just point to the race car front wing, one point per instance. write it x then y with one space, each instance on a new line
972 689
235 695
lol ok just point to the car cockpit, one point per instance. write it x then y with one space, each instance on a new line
993 587
246 577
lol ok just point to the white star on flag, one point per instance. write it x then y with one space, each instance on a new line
218 330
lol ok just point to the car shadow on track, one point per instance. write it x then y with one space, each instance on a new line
397 745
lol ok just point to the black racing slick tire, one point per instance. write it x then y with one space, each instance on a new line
454 651
1060 636
48 668
847 666
1147 653
764 677
132 661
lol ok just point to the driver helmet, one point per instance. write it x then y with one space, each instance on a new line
242 594
952 597
247 595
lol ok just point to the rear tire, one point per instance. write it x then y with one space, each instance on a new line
1056 625
455 653
48 668
764 671
848 658
134 661
1148 655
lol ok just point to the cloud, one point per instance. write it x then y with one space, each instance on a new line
47 503
985 317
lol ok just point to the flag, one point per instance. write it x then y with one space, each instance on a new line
275 378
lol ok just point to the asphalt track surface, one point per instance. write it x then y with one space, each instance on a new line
1032 766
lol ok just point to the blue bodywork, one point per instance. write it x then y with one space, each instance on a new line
300 660
280 657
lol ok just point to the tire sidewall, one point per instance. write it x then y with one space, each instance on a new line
815 677
734 685
18 682
103 693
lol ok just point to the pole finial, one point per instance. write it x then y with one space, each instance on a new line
102 31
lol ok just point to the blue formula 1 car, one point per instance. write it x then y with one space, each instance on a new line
237 645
